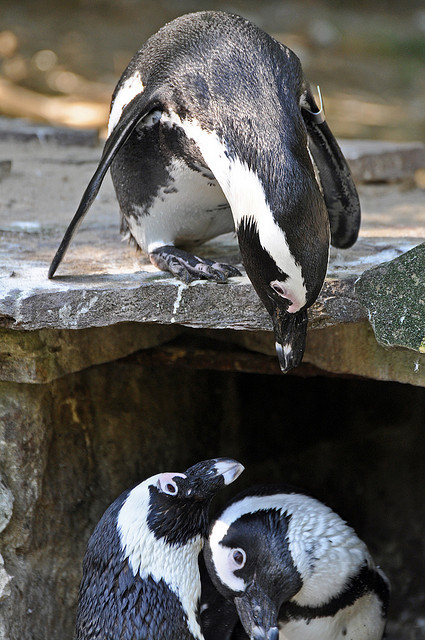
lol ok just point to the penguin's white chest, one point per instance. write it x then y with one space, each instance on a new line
360 621
190 210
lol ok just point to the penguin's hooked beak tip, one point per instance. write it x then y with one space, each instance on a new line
290 331
229 469
257 613
208 476
286 357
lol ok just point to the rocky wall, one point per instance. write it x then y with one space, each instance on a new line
70 446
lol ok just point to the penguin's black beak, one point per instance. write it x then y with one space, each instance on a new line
290 330
208 476
258 614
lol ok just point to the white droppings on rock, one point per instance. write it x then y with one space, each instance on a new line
180 288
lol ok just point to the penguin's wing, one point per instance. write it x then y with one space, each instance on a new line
132 113
339 191
218 616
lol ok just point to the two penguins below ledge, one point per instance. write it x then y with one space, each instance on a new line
284 566
213 128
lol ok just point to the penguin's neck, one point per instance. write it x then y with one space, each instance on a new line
148 555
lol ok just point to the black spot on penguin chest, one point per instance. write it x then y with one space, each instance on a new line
139 170
144 165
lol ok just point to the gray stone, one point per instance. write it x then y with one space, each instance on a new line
394 295
5 589
5 168
21 130
41 356
382 161
6 505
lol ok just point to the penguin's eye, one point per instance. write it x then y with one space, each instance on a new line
238 558
167 484
169 487
279 288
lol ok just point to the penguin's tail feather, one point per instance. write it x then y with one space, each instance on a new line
132 113
339 190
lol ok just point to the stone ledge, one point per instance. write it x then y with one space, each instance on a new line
105 286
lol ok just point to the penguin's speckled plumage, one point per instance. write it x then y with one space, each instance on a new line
140 572
292 569
213 128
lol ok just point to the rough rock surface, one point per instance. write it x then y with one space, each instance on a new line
69 447
394 295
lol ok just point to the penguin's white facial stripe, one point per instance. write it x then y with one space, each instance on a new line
285 292
324 549
222 558
148 555
167 485
245 194
129 90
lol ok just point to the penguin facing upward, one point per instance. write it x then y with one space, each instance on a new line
292 569
213 128
140 571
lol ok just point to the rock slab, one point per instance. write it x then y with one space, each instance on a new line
394 295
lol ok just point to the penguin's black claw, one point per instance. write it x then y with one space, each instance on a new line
187 267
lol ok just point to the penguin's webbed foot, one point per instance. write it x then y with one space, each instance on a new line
188 267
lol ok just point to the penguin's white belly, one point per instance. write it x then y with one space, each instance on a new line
189 210
360 621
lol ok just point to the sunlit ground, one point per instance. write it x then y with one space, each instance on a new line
59 61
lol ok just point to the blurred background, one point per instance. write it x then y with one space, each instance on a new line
59 61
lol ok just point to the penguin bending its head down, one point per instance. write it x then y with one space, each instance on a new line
293 569
140 572
213 128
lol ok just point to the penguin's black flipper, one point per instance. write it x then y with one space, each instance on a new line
187 267
218 617
339 191
135 111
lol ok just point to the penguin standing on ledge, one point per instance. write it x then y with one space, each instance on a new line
213 128
140 572
291 569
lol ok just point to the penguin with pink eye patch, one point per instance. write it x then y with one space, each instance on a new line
140 572
287 567
213 128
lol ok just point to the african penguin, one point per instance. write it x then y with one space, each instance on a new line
213 128
140 571
291 569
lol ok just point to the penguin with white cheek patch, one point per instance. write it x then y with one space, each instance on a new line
140 571
213 128
290 569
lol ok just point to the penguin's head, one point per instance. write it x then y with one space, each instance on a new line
178 502
284 297
170 510
248 562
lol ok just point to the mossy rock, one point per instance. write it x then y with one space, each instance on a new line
394 295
